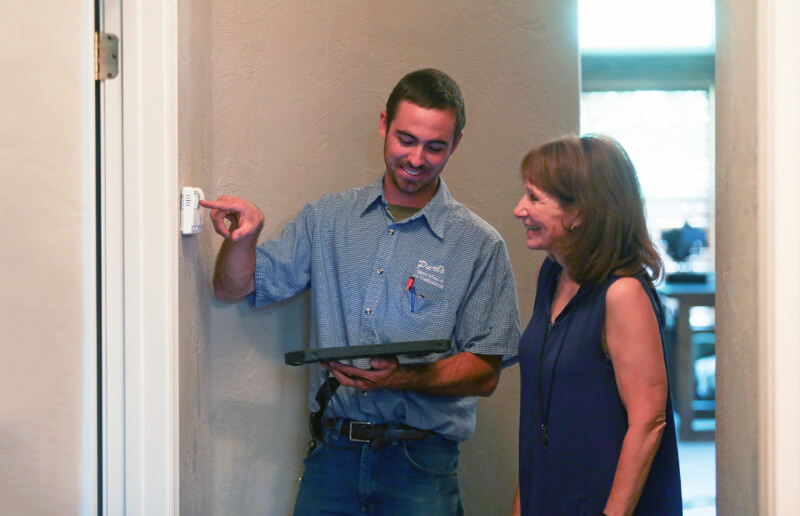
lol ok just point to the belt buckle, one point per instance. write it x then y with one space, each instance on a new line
350 431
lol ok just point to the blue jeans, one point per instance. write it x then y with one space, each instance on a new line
405 478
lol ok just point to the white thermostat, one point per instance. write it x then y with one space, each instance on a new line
191 211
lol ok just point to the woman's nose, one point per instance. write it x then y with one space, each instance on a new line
519 212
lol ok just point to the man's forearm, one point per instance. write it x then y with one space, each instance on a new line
464 374
236 262
234 271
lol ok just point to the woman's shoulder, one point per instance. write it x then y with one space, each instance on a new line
623 290
631 298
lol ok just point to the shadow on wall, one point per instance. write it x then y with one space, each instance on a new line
493 448
257 406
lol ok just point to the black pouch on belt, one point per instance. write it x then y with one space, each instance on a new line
324 395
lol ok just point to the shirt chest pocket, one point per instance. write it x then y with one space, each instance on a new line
417 316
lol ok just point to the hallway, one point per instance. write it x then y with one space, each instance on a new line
698 478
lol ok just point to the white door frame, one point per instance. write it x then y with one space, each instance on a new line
89 434
140 235
779 248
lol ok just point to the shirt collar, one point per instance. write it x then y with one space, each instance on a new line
436 212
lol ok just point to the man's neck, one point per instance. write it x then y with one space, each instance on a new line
409 200
400 213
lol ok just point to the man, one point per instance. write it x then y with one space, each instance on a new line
399 260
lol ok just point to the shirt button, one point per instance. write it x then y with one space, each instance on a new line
364 394
368 311
391 231
380 271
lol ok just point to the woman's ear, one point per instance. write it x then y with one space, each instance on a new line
576 221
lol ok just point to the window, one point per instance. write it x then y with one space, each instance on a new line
669 136
647 79
630 26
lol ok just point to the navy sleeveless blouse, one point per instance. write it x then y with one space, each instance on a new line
586 421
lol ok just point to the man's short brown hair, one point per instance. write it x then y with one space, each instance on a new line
432 89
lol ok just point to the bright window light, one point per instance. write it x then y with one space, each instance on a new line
609 26
669 137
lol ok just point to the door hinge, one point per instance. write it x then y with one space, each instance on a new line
106 53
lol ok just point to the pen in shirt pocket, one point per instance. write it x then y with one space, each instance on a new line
412 289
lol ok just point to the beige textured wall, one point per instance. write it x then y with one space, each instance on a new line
737 330
41 320
279 103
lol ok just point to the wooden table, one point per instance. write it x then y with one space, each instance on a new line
687 295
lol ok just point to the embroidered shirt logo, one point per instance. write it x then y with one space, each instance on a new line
432 274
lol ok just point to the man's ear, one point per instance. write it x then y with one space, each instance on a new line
384 126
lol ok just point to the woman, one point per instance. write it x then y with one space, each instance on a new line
597 434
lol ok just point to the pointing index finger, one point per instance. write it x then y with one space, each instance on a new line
213 204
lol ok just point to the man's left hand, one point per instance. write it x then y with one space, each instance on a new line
463 374
384 372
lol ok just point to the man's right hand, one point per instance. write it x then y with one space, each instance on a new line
245 219
236 262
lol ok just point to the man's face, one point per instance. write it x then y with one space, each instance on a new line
416 147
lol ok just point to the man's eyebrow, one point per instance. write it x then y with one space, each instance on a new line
406 134
412 136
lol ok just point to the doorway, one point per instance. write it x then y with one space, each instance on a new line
652 88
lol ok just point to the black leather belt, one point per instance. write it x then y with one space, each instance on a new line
377 435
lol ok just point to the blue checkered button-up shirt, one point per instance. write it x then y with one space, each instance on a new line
357 260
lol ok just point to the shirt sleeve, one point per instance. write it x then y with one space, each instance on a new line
283 264
488 318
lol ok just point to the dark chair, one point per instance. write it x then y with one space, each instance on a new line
682 241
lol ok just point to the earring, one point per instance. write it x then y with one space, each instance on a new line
572 227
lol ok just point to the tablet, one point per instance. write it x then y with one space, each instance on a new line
415 347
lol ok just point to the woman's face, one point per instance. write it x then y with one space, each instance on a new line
546 222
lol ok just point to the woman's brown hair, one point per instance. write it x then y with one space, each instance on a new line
593 177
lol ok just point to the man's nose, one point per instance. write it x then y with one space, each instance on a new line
416 157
